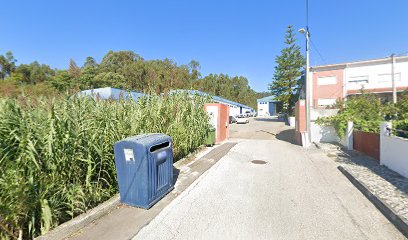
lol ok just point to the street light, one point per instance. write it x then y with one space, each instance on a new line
308 140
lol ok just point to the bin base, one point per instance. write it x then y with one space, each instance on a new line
148 206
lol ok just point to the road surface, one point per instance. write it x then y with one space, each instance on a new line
297 194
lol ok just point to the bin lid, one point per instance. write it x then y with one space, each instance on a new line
148 139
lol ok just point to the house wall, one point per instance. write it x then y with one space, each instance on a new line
376 77
327 87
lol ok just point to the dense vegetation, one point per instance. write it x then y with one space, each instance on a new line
286 82
367 112
122 69
56 152
56 156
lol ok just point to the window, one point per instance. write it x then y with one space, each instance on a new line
326 101
387 77
358 80
326 80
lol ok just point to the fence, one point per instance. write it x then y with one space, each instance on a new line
367 143
393 150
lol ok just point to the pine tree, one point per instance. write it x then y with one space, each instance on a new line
287 72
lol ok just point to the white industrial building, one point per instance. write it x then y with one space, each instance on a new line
267 106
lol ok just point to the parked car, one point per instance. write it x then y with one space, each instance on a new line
242 119
232 119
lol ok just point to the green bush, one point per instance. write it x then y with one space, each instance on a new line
367 112
401 115
56 156
364 110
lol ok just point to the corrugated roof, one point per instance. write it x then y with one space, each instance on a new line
215 98
267 99
111 93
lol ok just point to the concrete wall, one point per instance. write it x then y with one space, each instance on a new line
323 133
393 151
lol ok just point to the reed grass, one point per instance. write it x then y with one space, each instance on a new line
56 156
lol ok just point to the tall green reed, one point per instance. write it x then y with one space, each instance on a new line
56 156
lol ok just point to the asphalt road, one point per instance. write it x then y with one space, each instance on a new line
297 194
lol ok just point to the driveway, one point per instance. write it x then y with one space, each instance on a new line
297 194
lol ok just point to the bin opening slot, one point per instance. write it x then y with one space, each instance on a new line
159 146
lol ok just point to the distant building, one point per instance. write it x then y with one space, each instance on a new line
111 93
267 106
234 108
334 81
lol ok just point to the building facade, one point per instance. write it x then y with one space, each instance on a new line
267 106
331 82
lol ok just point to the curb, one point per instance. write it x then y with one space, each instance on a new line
400 223
66 229
79 222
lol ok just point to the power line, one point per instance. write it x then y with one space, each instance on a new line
318 52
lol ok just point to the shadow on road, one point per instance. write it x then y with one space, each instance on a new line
268 119
176 173
287 136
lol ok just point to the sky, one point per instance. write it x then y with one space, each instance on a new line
231 37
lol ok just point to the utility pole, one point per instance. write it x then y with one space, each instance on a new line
308 84
308 89
394 87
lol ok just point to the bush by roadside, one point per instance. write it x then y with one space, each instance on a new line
367 112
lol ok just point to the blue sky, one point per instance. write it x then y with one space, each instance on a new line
233 37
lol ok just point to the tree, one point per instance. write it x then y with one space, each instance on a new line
194 67
115 61
7 65
287 72
62 81
32 73
74 70
90 62
88 72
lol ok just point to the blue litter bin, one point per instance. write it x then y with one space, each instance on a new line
144 166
